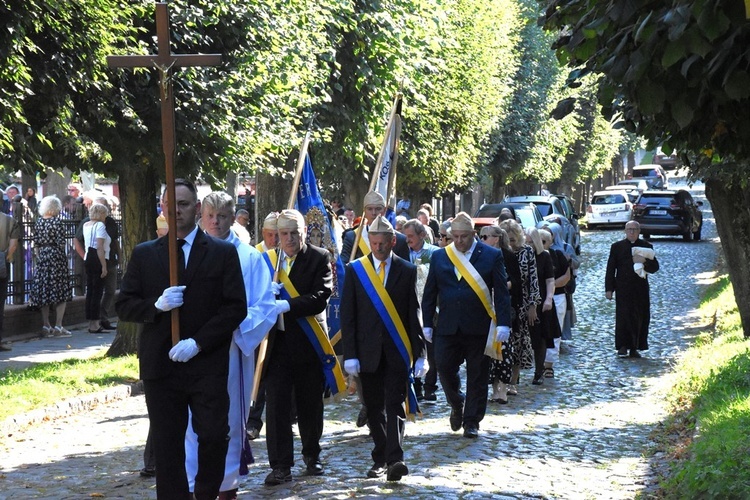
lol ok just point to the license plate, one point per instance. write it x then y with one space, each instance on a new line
658 212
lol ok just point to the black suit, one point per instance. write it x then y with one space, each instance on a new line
214 305
401 248
383 373
293 366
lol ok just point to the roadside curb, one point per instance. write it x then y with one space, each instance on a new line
67 407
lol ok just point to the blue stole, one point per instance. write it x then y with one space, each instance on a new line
383 304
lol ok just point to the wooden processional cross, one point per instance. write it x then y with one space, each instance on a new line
165 62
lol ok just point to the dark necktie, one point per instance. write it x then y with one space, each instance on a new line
180 259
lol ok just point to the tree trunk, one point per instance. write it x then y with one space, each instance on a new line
271 195
138 196
729 204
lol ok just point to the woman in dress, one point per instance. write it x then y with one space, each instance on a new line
51 284
546 328
96 241
562 276
527 298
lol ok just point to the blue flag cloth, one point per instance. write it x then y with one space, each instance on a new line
321 233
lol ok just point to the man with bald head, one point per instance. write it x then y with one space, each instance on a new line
630 290
468 279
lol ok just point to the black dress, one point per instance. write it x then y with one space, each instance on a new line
51 276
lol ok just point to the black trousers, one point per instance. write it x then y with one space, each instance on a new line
168 400
285 380
450 352
384 392
94 285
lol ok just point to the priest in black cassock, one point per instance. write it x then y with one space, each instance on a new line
627 280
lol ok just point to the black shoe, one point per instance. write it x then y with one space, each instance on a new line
362 417
377 470
457 418
634 353
279 475
148 471
471 431
430 396
396 471
4 347
253 433
107 325
538 380
622 351
314 466
418 390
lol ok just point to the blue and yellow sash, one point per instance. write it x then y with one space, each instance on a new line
474 279
383 304
318 339
270 258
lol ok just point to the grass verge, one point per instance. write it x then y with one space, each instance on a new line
707 435
48 383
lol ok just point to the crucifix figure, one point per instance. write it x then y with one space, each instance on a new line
165 62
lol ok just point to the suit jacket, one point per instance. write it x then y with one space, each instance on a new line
312 277
401 248
461 311
214 305
362 330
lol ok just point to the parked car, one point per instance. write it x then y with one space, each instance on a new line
669 213
527 214
609 207
553 210
638 184
633 192
669 162
654 175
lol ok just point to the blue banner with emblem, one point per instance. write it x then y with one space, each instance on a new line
321 232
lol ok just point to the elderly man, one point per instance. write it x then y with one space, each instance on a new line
374 206
420 253
631 291
269 233
10 232
299 356
382 338
469 280
217 214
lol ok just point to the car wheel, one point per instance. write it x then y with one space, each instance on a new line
697 234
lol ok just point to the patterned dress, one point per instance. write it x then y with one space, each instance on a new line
51 279
518 350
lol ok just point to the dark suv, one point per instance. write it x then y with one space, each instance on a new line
555 209
669 213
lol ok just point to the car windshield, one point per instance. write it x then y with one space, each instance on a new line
646 172
662 200
527 217
607 199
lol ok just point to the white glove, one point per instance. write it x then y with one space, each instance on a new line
427 332
421 367
276 287
170 298
351 366
184 350
282 306
503 334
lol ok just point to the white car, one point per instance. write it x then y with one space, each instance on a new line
633 192
609 207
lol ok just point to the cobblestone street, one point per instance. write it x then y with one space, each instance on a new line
581 435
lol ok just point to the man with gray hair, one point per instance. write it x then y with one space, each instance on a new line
374 206
10 232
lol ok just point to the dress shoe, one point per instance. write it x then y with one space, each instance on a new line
538 380
430 396
279 475
107 325
396 471
5 347
622 351
314 466
228 495
253 433
634 353
377 470
471 431
362 417
148 471
457 418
